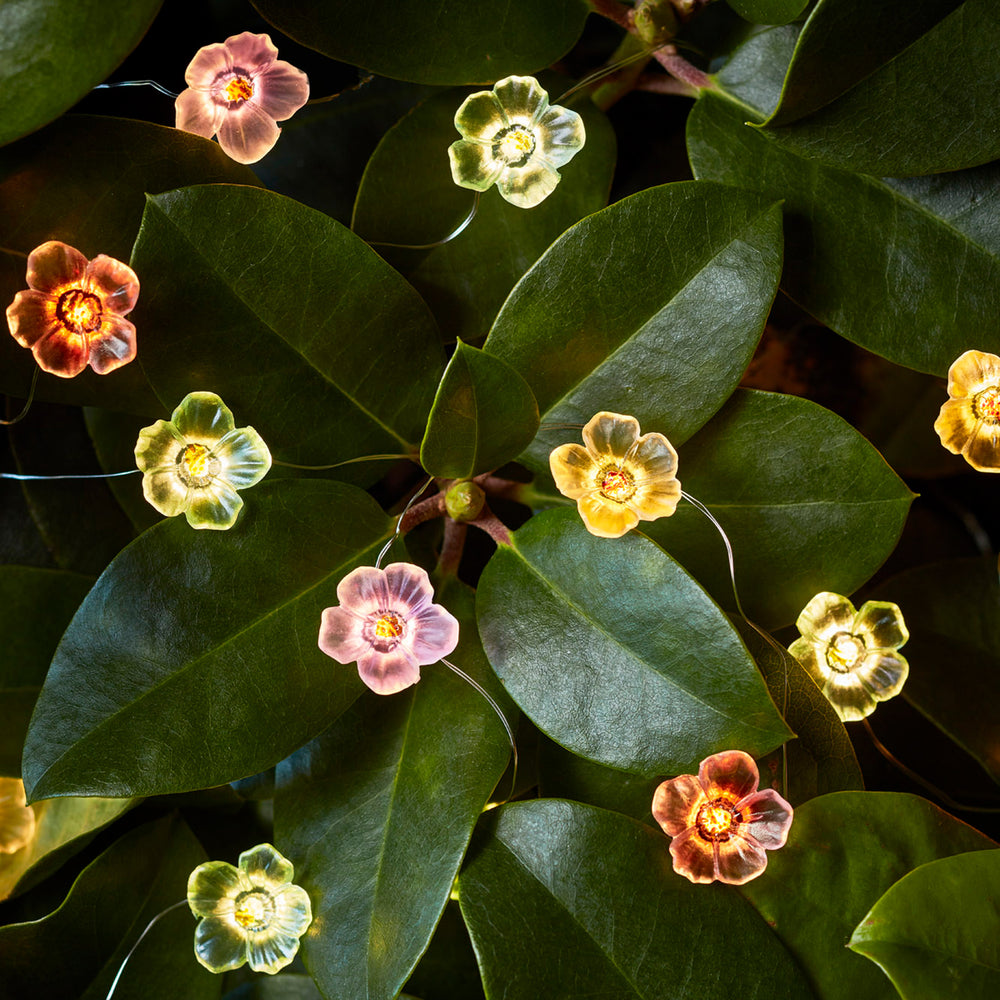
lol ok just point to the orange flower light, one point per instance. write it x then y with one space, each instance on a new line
720 824
72 313
969 423
17 820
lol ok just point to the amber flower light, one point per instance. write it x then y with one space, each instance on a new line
238 89
720 824
969 422
17 819
852 655
620 477
73 312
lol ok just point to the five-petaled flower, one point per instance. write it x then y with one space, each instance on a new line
195 462
388 623
852 656
249 914
620 477
511 137
720 824
17 819
239 88
72 312
969 422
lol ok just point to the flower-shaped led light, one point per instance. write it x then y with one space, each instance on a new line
511 137
249 914
852 656
195 462
17 819
969 423
388 623
720 824
620 478
239 88
72 313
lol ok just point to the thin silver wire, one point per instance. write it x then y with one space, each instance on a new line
20 477
27 403
604 71
137 83
462 226
337 465
399 522
121 968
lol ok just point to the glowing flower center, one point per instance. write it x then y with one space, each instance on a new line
389 626
197 466
238 89
79 311
844 652
385 630
986 405
254 909
717 820
616 484
514 145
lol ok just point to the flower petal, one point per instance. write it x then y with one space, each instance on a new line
739 859
244 456
250 52
215 506
732 772
522 98
473 166
850 699
202 418
480 116
971 373
693 857
271 950
158 447
610 435
219 945
676 803
956 424
112 344
883 674
528 186
982 450
606 518
768 817
574 470
281 90
165 491
826 615
195 111
408 586
63 353
434 634
113 282
656 500
812 656
654 456
266 867
364 591
881 623
212 887
293 910
208 62
340 635
54 265
246 133
387 673
561 135
32 317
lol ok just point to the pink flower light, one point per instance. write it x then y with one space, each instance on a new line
388 623
238 89
720 824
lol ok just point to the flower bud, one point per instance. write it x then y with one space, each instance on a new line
464 500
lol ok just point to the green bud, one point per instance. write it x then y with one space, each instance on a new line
464 500
655 22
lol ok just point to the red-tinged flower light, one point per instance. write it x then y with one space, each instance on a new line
73 312
720 824
238 89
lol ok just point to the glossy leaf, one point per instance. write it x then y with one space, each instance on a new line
407 196
110 903
54 51
83 180
917 283
616 653
378 811
289 318
844 850
769 11
662 327
434 41
36 605
934 933
782 477
563 899
889 118
193 661
483 415
953 611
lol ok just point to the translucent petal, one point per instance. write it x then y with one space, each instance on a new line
293 910
732 772
219 944
165 491
656 500
955 424
768 817
653 456
62 353
409 587
340 635
676 803
246 134
573 469
387 673
605 518
480 116
208 62
694 858
31 317
158 447
271 950
364 591
739 859
848 696
522 98
250 52
435 634
473 166
971 373
196 112
826 615
527 186
882 625
112 344
17 820
281 90
610 435
812 656
982 450
561 135
244 456
54 265
266 867
203 418
215 506
113 282
883 674
212 887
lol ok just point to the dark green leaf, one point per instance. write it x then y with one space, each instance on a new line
483 415
807 503
616 653
284 986
193 661
434 41
843 852
953 612
52 52
107 909
769 11
377 813
934 933
303 330
567 900
407 196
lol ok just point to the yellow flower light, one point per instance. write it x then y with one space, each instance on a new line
969 422
251 914
620 478
17 818
852 655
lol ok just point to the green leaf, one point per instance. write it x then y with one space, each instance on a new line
299 326
934 933
83 180
873 108
284 986
769 11
563 899
434 41
448 968
107 909
193 661
843 852
407 196
52 52
616 653
918 282
377 813
483 415
808 505
36 605
953 612
662 327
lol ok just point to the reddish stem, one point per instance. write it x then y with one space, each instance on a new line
451 548
614 11
679 68
488 521
426 510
